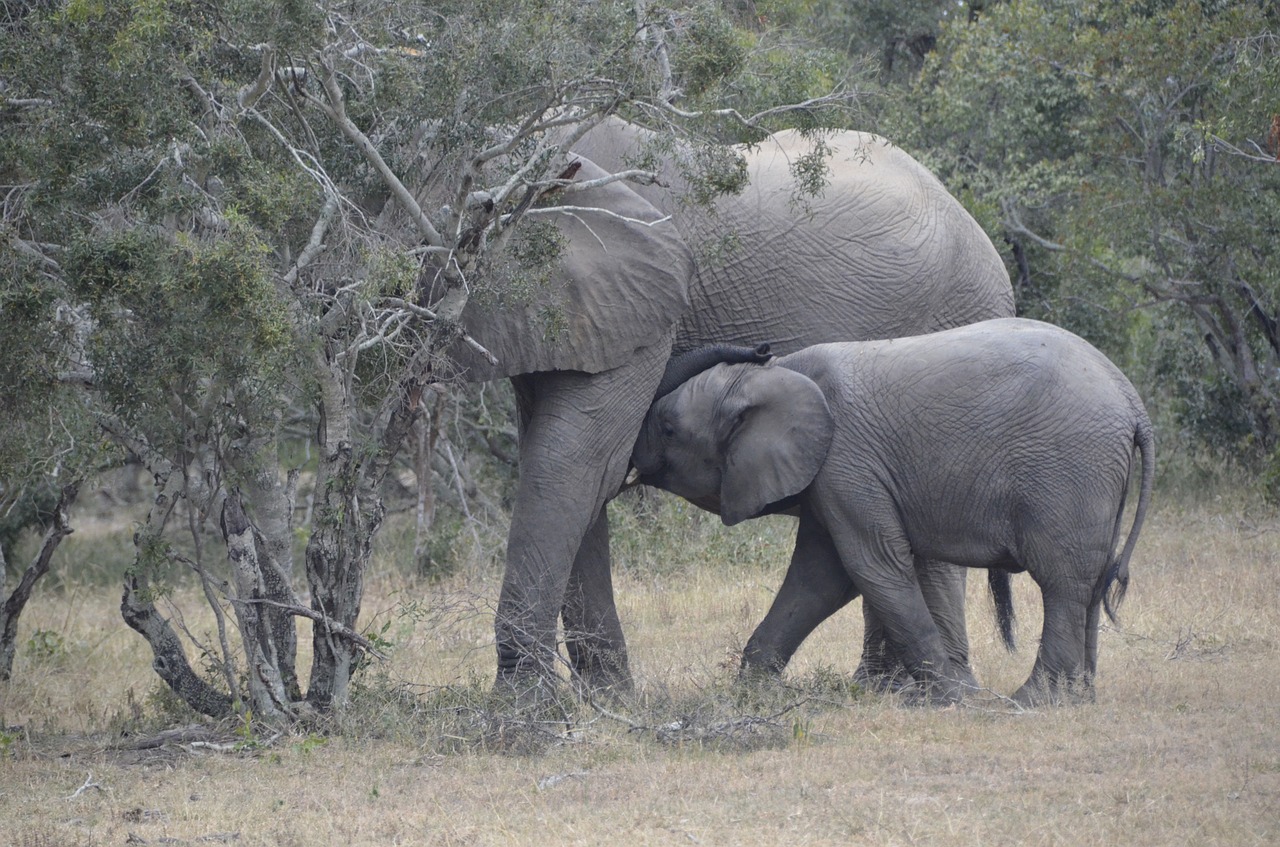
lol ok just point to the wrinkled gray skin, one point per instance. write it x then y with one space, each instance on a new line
1005 444
886 251
881 667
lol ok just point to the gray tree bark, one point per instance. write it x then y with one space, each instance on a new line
267 693
17 601
137 607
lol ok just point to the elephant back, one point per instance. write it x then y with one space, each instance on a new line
882 251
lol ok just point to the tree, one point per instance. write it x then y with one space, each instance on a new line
235 214
21 512
1126 153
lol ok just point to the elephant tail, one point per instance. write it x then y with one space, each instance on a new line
1000 582
1116 581
686 366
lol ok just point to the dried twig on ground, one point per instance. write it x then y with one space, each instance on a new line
88 783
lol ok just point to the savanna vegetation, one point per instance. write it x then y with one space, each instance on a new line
210 250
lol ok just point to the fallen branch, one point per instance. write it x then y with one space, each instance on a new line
88 783
183 735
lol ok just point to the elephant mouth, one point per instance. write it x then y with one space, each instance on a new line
658 478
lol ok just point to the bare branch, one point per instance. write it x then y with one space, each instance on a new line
313 169
568 186
652 35
333 626
423 312
88 783
1013 223
33 251
252 93
316 242
596 210
753 122
1227 147
336 111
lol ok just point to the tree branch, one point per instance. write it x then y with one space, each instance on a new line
1013 223
423 312
336 111
753 122
17 601
252 93
335 627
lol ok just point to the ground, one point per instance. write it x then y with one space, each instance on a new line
1181 747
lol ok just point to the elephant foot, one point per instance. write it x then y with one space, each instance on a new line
934 693
1044 689
527 679
881 679
600 673
603 687
525 693
753 678
898 679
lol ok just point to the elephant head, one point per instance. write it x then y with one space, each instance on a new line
736 439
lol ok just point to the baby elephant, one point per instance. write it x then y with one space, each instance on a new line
1004 444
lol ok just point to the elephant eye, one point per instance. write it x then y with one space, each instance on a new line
668 431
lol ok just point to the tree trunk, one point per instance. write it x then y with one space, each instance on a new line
17 601
347 514
139 611
170 660
267 693
428 432
269 500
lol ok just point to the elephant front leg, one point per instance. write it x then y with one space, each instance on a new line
577 432
816 586
592 631
879 561
880 668
533 590
943 587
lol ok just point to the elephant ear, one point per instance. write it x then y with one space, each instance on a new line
775 433
619 283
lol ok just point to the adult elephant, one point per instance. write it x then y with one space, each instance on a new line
882 251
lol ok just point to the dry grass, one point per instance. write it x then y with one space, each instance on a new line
1182 747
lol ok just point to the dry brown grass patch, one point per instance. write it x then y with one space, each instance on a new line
1182 747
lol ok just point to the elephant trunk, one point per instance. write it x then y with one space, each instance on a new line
682 368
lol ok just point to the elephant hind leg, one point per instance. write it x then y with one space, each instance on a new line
1063 671
592 631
